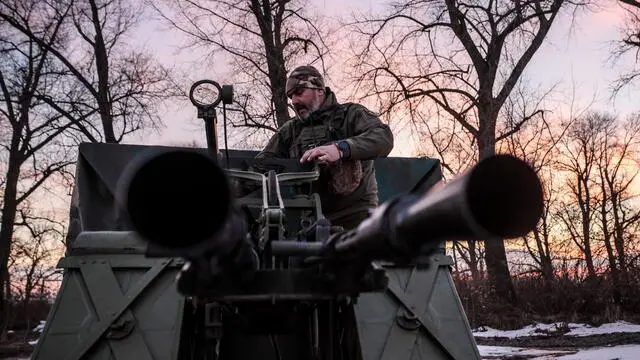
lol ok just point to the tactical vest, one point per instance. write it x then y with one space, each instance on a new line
320 128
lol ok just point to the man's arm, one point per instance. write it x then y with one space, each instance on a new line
371 137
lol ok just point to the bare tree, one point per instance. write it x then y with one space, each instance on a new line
539 242
582 149
471 253
32 253
263 40
31 137
600 165
115 87
465 58
629 44
620 147
106 88
537 143
444 139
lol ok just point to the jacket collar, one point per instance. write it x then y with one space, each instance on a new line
330 99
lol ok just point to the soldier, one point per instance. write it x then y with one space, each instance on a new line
343 138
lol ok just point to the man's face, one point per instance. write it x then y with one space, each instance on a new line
306 100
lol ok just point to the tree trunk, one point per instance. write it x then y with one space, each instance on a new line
545 259
469 257
615 275
495 253
5 308
28 291
618 230
270 30
278 78
102 68
606 235
584 202
586 236
473 261
498 270
9 208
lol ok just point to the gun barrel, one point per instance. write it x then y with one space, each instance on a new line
175 198
500 197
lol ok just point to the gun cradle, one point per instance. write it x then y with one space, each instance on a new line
206 278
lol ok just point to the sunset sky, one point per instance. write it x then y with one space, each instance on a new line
574 54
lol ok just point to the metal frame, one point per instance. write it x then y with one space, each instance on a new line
104 318
419 313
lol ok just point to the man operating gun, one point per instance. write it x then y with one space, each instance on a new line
343 138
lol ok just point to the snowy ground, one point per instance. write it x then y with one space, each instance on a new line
617 352
620 352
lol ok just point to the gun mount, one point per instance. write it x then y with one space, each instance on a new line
260 271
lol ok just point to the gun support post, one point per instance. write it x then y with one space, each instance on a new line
205 95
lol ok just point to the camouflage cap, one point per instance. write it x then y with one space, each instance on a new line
305 76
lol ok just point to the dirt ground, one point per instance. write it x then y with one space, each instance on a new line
15 350
16 346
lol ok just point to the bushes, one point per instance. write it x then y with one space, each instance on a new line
592 300
25 318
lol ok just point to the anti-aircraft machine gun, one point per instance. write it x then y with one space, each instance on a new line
264 273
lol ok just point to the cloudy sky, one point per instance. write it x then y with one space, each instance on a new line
575 55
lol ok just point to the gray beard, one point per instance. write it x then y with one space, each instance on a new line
314 106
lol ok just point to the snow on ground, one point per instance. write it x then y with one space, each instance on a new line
617 327
621 352
574 330
40 327
506 351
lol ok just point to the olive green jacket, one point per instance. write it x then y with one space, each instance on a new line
367 136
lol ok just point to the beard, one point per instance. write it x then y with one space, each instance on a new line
315 105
